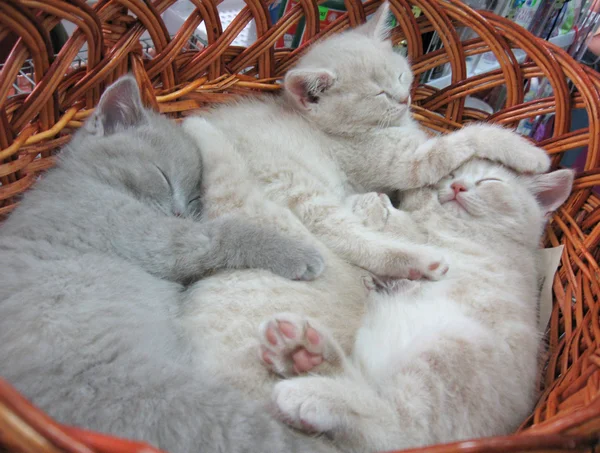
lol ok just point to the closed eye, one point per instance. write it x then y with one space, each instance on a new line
384 93
194 200
487 180
165 176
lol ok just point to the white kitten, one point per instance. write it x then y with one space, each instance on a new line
343 126
433 361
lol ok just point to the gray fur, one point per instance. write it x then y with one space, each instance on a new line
91 289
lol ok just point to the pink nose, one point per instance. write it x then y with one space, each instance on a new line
458 187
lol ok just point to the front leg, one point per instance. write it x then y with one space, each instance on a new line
384 256
440 156
408 159
235 243
184 250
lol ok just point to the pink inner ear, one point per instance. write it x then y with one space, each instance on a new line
324 81
551 199
303 84
553 189
298 89
297 86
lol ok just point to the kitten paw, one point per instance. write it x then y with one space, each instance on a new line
509 148
296 261
301 406
413 262
373 209
290 345
433 271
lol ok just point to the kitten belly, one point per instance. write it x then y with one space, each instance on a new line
396 328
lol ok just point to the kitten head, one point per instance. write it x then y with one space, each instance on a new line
129 146
488 196
353 80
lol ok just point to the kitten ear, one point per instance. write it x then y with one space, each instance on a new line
378 26
120 108
552 189
306 86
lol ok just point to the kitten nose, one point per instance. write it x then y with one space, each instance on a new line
404 100
176 213
458 187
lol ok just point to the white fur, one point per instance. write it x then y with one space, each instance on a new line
438 361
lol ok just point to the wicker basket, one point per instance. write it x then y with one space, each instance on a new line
179 79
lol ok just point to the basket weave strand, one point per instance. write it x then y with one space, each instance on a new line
180 78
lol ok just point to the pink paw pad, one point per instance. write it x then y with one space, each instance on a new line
436 270
313 336
308 427
291 348
305 361
414 274
266 356
287 329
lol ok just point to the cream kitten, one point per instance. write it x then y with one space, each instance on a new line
343 126
433 361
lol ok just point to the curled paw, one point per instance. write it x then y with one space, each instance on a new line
296 261
420 268
508 148
300 405
373 209
434 270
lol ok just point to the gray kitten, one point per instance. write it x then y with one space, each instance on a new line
92 272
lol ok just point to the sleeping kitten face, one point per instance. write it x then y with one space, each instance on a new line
134 148
353 79
487 195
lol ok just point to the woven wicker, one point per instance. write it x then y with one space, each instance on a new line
178 80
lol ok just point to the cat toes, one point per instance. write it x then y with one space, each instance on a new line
315 265
429 270
303 262
436 270
536 161
299 406
290 345
373 209
525 157
511 149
